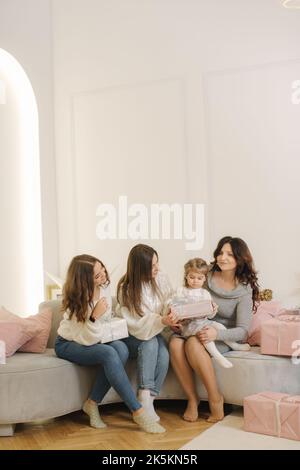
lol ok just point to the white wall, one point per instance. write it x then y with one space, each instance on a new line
178 101
26 33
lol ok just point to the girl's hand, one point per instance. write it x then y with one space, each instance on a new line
100 308
207 334
215 307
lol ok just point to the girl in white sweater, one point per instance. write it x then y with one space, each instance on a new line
87 304
142 295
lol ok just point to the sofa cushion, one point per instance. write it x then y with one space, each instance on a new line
13 334
38 343
36 329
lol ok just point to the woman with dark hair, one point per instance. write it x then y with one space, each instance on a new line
142 295
232 283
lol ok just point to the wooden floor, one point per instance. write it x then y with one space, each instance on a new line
72 431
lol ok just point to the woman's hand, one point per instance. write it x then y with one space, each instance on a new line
207 334
170 320
176 329
100 308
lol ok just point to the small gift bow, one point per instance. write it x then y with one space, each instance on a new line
295 399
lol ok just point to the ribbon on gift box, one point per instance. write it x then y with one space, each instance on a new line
289 315
293 399
277 402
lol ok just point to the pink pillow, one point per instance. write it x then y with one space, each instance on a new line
266 310
36 329
13 334
38 343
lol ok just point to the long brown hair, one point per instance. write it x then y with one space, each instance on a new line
139 271
244 272
78 289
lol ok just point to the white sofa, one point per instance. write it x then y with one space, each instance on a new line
42 386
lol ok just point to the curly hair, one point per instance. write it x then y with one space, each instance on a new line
245 272
78 289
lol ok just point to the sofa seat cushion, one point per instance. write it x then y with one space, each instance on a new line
254 354
253 372
28 362
41 386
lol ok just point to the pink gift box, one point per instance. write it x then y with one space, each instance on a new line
275 414
279 334
199 309
266 310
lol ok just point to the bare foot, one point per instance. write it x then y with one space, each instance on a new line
217 411
191 412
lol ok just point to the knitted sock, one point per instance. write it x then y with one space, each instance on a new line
238 346
146 400
147 423
91 409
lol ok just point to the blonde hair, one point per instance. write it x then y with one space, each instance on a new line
195 264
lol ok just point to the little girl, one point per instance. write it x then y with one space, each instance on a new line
87 304
142 294
195 271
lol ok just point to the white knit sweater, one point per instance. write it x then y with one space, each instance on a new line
150 323
86 333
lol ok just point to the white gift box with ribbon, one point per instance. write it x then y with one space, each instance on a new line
2 352
114 329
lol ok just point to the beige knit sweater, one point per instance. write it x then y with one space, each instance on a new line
86 333
153 308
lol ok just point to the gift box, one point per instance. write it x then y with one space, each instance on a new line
275 414
279 335
265 311
199 309
2 352
114 329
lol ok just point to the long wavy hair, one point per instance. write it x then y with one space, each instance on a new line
78 289
244 272
139 272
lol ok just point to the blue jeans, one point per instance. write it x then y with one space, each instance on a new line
152 361
110 359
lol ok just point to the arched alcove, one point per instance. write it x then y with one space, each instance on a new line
21 265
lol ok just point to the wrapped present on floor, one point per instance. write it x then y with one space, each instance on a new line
275 414
114 329
279 336
187 309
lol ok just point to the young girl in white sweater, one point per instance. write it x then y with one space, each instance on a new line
87 304
142 295
195 272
